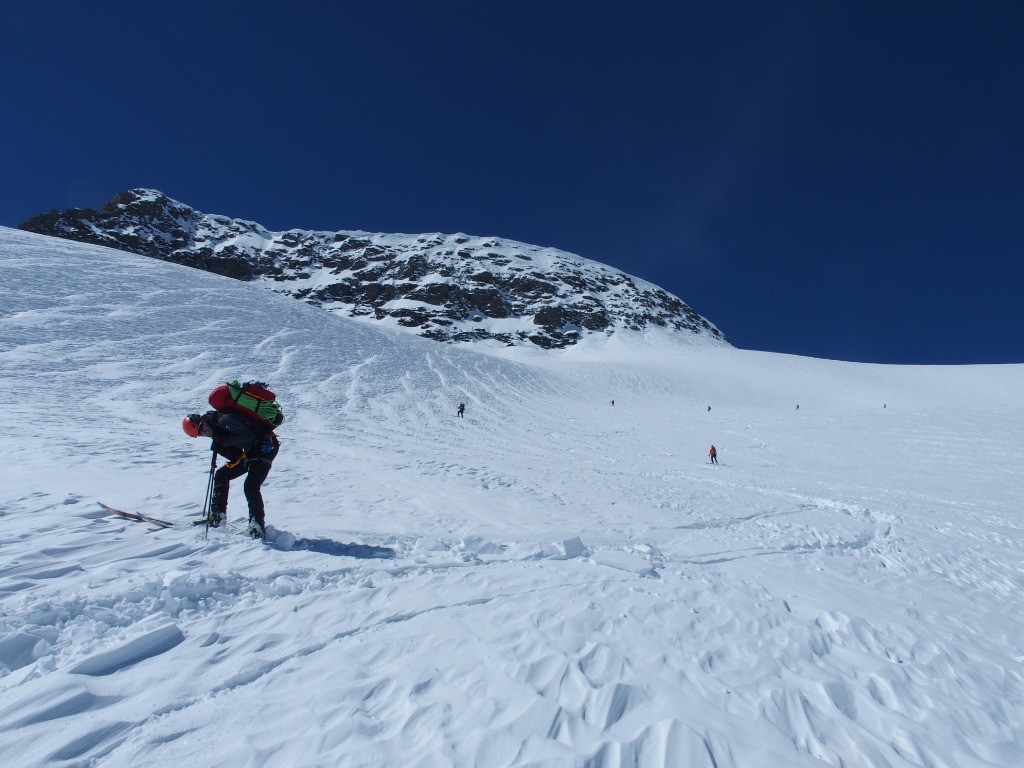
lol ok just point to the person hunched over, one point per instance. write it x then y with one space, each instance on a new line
250 446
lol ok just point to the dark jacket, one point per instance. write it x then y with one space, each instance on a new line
235 434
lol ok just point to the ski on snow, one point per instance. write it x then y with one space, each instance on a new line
135 516
160 524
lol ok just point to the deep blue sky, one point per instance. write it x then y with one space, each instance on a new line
833 179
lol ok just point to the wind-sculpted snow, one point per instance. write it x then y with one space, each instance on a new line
551 581
453 288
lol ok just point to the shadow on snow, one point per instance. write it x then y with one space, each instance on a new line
335 548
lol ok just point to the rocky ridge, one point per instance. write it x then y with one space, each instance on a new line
451 288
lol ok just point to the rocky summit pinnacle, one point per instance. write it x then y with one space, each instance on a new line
449 288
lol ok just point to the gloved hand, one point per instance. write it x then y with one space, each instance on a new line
236 462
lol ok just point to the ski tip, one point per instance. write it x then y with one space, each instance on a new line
135 516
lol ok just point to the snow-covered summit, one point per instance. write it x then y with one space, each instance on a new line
451 288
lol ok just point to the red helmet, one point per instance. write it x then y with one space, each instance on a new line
191 425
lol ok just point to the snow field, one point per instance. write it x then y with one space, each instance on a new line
843 590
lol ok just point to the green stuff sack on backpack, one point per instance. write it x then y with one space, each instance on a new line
250 399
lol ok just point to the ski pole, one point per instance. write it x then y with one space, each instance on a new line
208 500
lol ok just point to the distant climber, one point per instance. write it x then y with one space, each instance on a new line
462 410
713 453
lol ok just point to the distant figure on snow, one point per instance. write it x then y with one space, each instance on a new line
462 410
798 406
713 453
613 402
709 409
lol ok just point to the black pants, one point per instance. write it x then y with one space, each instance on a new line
255 471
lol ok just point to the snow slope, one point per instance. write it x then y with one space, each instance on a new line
572 584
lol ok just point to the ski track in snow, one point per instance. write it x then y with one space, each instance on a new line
843 590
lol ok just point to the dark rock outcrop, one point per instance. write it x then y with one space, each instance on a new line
452 288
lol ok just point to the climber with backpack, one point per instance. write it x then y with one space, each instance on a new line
241 427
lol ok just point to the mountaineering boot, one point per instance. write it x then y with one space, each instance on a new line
256 529
215 519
